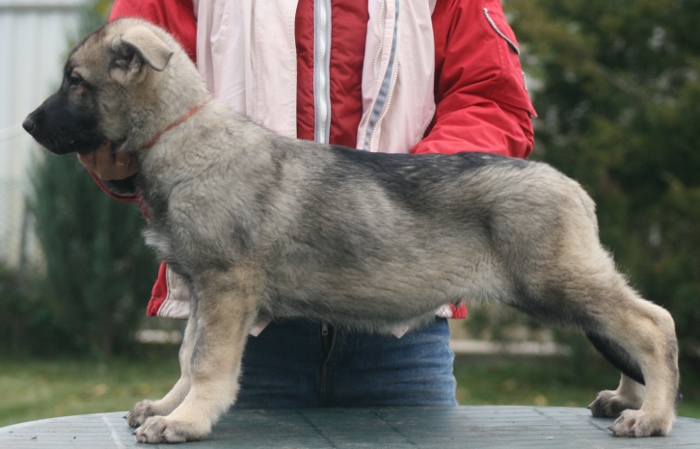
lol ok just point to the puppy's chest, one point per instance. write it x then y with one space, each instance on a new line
154 200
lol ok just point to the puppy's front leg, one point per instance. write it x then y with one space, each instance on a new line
146 408
223 318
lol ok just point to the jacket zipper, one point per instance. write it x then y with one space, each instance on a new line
381 105
382 25
322 58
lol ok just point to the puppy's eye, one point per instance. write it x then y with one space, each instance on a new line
75 80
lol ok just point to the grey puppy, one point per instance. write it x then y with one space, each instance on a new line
266 227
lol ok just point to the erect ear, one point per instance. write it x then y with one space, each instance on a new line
139 45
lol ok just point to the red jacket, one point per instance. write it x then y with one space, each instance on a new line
482 103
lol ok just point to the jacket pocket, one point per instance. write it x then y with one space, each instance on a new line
511 88
510 41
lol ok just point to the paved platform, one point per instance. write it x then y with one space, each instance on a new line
386 428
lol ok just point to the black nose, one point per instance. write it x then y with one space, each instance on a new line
28 124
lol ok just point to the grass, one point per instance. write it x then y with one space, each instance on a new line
524 381
547 381
34 389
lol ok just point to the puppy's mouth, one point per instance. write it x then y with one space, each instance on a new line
73 145
59 143
88 145
62 139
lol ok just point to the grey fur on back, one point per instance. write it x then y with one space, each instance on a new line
341 232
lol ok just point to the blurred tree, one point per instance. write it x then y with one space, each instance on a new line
97 271
619 109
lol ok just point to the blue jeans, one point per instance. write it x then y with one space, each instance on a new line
297 363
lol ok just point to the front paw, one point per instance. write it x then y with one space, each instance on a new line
141 412
609 404
160 429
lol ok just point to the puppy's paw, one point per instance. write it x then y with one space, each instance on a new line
141 412
636 423
609 404
160 429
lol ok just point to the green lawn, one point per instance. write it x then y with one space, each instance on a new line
547 381
33 389
524 381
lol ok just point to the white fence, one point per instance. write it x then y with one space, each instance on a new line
33 45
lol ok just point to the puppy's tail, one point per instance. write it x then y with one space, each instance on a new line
618 356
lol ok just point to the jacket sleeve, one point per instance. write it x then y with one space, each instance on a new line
176 16
482 103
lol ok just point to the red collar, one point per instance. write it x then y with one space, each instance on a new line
173 125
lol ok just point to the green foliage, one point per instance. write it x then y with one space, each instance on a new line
20 315
97 271
619 111
13 307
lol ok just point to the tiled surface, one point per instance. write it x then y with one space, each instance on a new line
443 428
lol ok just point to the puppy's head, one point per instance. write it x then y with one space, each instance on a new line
108 80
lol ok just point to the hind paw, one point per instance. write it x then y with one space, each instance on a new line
610 404
141 412
635 423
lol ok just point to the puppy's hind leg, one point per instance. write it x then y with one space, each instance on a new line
565 276
147 408
639 338
629 395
